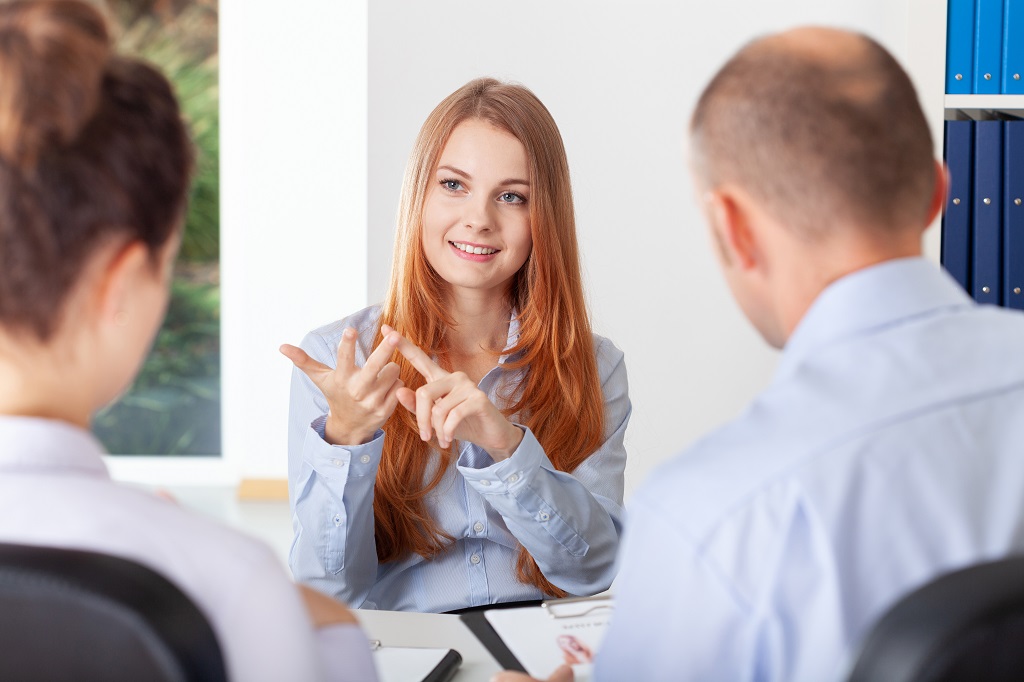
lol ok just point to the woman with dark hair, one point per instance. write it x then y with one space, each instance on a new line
94 175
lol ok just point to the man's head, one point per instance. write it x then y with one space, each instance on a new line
818 134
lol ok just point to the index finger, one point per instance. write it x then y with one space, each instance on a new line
420 360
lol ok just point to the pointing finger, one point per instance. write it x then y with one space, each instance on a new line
347 352
420 360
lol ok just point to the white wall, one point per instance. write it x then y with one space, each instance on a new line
320 103
620 79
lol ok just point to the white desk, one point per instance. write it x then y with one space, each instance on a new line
400 628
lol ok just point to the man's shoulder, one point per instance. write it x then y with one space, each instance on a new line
719 474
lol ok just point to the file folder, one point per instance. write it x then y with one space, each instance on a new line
1013 215
960 47
988 205
988 47
956 220
1013 47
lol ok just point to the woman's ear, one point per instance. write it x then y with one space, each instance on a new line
734 233
119 280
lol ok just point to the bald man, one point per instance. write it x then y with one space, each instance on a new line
888 447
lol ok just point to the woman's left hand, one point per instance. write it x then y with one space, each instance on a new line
452 406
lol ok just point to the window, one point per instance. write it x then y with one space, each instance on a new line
174 406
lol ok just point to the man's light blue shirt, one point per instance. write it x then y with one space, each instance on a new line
569 522
889 448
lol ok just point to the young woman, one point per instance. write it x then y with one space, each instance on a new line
462 444
94 174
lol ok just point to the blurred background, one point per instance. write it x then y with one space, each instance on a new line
174 407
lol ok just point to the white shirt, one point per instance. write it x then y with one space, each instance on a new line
55 491
889 448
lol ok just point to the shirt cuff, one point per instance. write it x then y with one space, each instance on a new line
490 478
345 653
346 461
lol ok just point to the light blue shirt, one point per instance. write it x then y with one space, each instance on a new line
569 522
888 448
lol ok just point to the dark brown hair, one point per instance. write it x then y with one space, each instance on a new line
818 135
92 149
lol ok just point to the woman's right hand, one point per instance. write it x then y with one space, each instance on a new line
360 399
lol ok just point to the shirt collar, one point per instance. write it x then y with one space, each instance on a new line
869 299
513 337
47 445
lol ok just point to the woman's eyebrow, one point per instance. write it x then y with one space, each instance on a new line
455 170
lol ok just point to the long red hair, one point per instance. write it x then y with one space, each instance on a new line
561 399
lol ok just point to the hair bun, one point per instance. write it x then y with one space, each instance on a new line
52 58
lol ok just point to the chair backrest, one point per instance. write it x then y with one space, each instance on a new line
76 615
965 625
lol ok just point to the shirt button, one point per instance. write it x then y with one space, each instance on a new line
513 478
543 516
475 559
337 519
365 459
484 482
478 527
337 462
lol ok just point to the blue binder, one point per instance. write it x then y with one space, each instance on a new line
960 47
988 47
956 220
986 285
1013 215
1013 47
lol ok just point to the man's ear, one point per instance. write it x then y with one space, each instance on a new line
731 221
118 278
939 194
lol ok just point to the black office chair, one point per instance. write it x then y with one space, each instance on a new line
965 625
75 615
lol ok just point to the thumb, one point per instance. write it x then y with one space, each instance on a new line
407 397
301 360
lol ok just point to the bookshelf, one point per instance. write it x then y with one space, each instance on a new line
982 107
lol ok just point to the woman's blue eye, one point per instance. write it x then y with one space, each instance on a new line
512 198
451 185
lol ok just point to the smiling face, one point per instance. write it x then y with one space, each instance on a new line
476 216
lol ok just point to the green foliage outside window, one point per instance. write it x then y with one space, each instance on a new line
174 406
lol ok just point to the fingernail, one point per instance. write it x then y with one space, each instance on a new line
348 333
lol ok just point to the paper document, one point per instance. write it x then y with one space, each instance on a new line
409 664
545 637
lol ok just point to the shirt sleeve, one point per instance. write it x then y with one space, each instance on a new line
331 494
263 627
346 654
675 618
570 523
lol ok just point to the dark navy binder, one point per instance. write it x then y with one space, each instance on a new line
956 220
1013 215
986 285
988 46
1013 47
960 47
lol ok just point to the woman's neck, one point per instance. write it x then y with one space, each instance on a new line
35 385
481 323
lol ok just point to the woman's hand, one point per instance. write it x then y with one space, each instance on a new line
452 406
360 399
